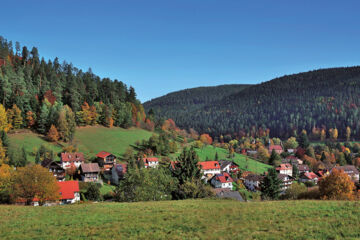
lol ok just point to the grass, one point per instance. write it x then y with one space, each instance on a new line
189 219
90 140
245 163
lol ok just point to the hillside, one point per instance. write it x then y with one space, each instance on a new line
178 104
325 98
89 140
209 219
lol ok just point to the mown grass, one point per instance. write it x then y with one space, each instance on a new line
245 163
89 140
190 219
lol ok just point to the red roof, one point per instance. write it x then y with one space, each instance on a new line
68 189
209 165
103 154
71 157
286 166
310 175
224 178
152 159
291 157
275 147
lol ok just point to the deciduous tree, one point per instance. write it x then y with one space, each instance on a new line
337 186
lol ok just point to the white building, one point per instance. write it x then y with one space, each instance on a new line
209 169
68 159
222 181
151 162
286 169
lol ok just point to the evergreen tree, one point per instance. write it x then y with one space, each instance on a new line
42 124
275 158
187 167
271 186
303 140
295 172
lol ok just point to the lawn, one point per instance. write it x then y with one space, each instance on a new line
89 140
189 219
245 163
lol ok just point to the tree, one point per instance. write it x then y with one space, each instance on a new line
337 186
322 135
263 154
303 140
17 117
206 139
6 183
216 156
275 158
295 190
291 143
348 133
4 126
295 172
187 167
271 185
43 119
93 192
53 134
34 181
3 155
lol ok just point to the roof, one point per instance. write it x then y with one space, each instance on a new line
47 163
68 188
90 167
209 165
223 178
151 159
310 175
286 166
103 154
275 147
254 178
282 177
224 163
303 167
227 193
121 168
348 169
71 157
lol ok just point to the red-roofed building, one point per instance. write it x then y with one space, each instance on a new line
278 148
210 168
285 169
151 162
69 159
309 177
222 181
106 160
69 191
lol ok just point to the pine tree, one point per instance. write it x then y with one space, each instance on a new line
295 172
187 167
43 119
275 158
216 156
17 118
271 186
303 140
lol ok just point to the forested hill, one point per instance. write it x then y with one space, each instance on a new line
38 94
315 100
179 103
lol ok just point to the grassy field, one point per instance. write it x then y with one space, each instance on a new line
90 140
245 163
190 219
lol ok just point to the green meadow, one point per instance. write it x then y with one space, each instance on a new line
245 163
89 140
188 219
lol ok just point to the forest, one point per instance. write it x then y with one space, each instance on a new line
53 98
315 101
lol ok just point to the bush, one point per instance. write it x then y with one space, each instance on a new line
294 191
313 193
93 192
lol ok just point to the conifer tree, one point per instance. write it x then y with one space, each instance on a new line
271 186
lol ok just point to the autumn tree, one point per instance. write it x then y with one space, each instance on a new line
348 133
35 181
30 119
4 126
206 139
337 186
53 134
291 143
3 156
262 153
6 184
322 135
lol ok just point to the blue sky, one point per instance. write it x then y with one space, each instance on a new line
163 46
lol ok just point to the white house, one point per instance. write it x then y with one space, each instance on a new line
222 181
350 170
69 192
69 159
285 169
209 169
286 181
152 162
252 182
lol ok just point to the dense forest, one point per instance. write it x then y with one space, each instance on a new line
325 100
38 94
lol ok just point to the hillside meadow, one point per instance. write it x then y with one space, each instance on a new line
89 140
188 219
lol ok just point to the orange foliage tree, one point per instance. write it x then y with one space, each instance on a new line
337 186
206 139
30 121
53 134
34 181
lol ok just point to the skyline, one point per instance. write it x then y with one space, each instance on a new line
160 47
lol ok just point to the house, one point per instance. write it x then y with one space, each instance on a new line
350 170
151 162
69 192
89 172
286 181
292 160
69 159
278 149
291 150
285 169
209 169
118 172
222 180
228 166
34 202
227 193
55 168
309 177
106 160
303 168
252 182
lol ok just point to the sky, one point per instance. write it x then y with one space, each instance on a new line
163 46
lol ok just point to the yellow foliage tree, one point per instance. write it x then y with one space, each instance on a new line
337 186
3 158
348 133
4 125
53 134
322 135
5 182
